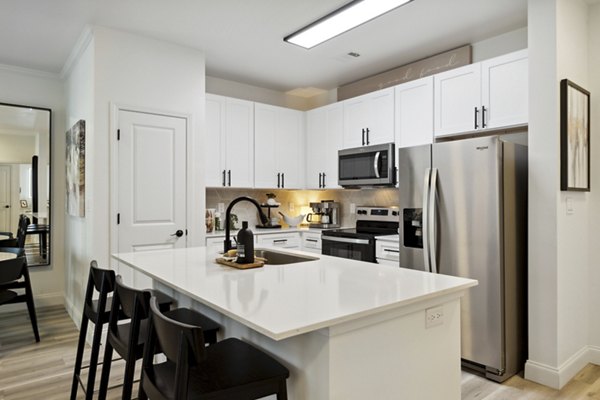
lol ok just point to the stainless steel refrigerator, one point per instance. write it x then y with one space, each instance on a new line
464 208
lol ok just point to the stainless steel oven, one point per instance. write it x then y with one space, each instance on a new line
367 166
359 243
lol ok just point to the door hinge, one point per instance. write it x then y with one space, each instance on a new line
118 218
186 232
118 134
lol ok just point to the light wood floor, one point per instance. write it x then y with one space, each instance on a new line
44 370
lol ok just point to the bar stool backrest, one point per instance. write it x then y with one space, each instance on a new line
176 339
24 222
11 270
101 280
132 302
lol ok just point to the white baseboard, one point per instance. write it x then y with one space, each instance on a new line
556 378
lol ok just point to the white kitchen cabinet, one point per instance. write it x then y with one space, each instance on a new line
279 147
369 119
229 155
215 245
414 112
324 135
283 240
311 242
483 96
388 252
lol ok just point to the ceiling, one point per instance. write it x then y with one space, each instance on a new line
243 40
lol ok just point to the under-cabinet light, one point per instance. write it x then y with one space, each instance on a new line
350 16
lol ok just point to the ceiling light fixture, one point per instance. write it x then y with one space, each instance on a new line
350 16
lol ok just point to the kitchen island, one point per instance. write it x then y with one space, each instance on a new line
345 329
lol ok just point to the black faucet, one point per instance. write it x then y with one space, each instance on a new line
263 218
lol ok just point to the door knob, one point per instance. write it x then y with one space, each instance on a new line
179 233
7 206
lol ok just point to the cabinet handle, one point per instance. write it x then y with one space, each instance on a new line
280 241
367 136
229 177
323 180
363 136
483 116
320 175
312 240
278 180
476 115
283 180
224 178
392 250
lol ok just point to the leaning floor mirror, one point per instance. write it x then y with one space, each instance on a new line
25 177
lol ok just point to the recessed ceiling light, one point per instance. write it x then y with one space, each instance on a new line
350 16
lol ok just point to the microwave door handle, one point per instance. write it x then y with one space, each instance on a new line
432 227
376 164
426 220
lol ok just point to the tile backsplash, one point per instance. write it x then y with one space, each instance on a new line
298 199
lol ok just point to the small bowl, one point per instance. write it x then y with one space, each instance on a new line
293 221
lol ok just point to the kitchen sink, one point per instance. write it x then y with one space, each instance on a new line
280 258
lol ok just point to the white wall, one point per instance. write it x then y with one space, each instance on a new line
499 45
594 195
127 70
17 149
34 88
558 243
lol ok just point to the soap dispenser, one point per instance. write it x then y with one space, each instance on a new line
245 245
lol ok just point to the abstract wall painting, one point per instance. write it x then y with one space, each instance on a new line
75 162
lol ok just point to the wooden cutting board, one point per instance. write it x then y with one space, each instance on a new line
255 264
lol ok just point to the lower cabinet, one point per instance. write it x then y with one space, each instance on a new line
387 252
283 240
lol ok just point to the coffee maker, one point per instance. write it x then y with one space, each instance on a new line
325 215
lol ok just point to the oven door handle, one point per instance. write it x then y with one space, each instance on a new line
345 240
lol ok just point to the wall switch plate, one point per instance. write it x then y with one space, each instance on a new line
570 209
434 316
221 207
352 208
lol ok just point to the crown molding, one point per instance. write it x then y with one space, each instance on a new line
82 43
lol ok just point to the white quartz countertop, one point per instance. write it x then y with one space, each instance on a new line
258 231
282 301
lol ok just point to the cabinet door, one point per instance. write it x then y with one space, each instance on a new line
381 117
290 147
333 143
324 137
316 149
505 93
239 148
414 113
214 149
457 94
356 119
265 134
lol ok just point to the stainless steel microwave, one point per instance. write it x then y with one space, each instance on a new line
367 166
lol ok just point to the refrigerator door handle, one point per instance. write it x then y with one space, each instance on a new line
376 163
426 219
431 221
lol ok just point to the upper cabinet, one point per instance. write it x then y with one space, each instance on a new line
279 147
229 156
488 95
324 135
369 119
414 112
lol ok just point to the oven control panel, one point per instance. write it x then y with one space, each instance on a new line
391 214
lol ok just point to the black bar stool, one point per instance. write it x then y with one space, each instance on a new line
230 369
98 312
128 339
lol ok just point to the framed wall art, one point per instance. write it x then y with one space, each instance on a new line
574 137
76 169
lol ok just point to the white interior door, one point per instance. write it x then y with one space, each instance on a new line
5 225
151 184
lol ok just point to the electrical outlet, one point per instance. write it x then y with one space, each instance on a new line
291 206
352 208
221 207
434 316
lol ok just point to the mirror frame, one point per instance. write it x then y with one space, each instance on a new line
50 208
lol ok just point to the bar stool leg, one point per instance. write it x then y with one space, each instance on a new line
79 357
31 306
108 351
89 394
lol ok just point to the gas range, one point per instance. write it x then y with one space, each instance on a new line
358 243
